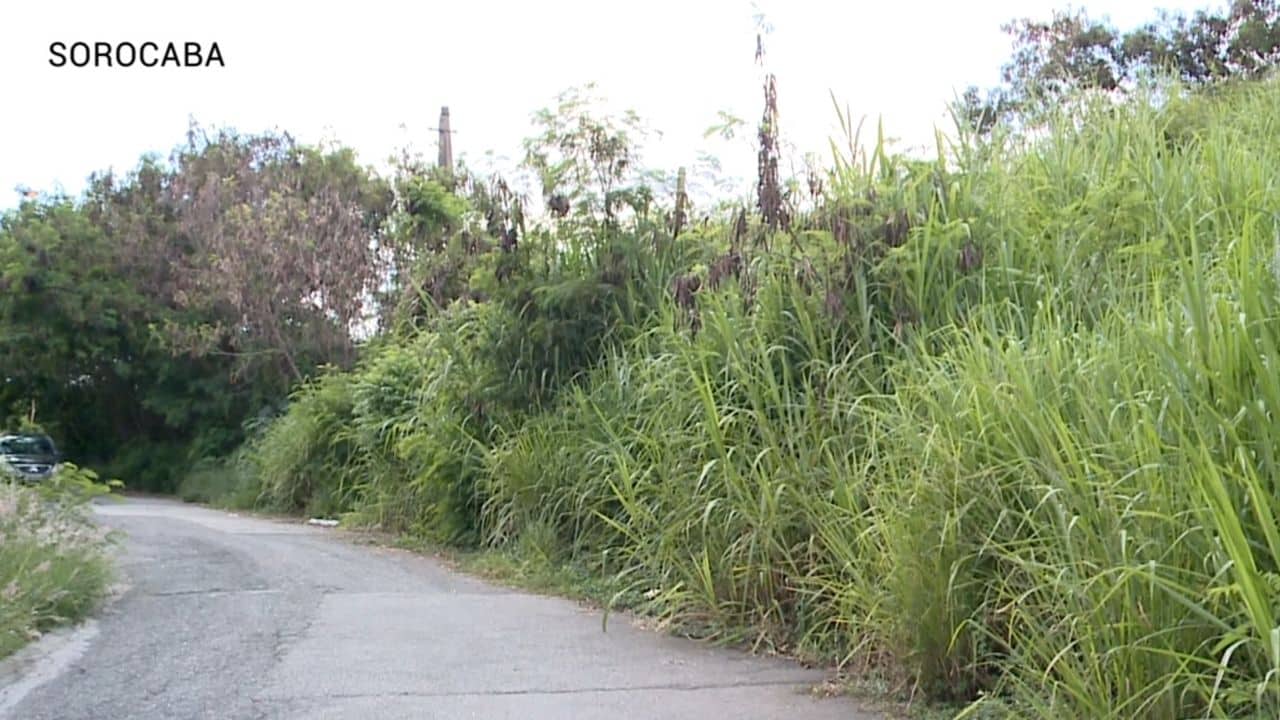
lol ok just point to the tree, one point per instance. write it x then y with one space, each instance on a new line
267 249
1071 52
586 161
74 340
167 305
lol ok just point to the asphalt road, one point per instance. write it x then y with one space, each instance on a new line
235 617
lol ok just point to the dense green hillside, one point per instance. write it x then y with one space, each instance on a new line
1001 425
998 427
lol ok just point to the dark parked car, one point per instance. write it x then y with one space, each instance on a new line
28 456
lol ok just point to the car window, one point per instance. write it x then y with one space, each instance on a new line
26 445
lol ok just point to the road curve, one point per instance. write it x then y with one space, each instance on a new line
235 617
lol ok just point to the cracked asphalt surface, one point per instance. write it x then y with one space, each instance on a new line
235 617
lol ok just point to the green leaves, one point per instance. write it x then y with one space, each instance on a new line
169 304
1058 59
583 156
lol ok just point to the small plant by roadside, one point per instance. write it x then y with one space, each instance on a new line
54 562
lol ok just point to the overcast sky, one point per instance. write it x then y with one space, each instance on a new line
374 74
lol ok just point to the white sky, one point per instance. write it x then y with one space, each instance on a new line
374 74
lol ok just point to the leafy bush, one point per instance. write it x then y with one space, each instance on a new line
401 441
150 466
304 459
228 482
420 418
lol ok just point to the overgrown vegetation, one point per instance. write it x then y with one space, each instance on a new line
144 323
998 424
54 563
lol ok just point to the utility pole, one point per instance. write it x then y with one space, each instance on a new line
446 140
682 204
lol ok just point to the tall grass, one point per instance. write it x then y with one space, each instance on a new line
54 563
1053 486
1001 424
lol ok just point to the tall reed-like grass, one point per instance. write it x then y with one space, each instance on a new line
1042 472
1001 424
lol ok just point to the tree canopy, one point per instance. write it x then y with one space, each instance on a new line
1072 52
171 302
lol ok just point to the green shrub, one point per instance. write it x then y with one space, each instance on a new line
305 459
421 418
229 483
150 466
